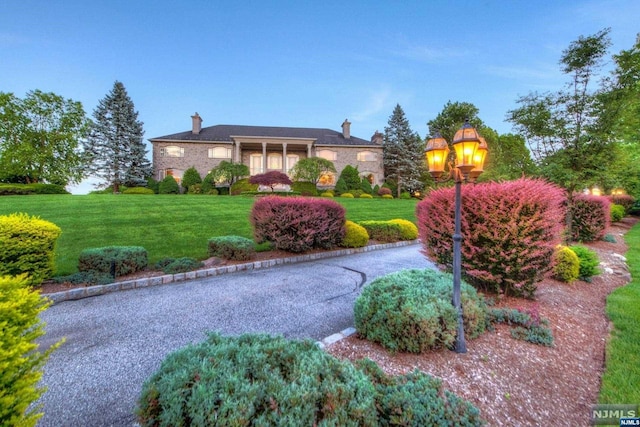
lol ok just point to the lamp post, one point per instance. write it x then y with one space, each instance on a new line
470 152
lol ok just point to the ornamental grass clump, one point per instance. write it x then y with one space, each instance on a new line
591 216
411 311
510 231
298 224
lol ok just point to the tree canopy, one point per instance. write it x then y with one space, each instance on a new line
228 173
40 138
270 179
312 169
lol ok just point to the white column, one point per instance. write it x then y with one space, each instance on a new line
238 156
264 157
308 150
284 157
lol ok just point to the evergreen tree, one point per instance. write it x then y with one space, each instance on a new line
403 153
115 150
351 177
190 177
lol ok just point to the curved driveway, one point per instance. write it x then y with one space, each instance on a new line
116 341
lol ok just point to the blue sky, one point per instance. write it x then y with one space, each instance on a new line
299 63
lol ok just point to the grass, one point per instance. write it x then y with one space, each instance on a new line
621 379
165 225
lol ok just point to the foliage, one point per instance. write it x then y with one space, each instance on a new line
27 245
417 399
384 190
256 380
195 189
590 218
208 183
347 195
85 278
508 159
125 259
405 195
530 326
509 231
39 138
355 236
623 200
242 186
365 196
411 311
20 359
190 177
403 152
609 238
36 188
153 184
340 187
365 186
138 190
115 151
307 189
168 185
351 178
566 264
236 248
616 212
408 230
326 194
387 196
383 231
298 224
180 265
229 173
589 262
311 169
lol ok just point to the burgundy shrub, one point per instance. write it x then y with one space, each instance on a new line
298 224
623 200
509 231
590 217
270 179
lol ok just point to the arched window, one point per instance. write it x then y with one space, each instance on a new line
220 153
172 151
367 156
327 154
175 173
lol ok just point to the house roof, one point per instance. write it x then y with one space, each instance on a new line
226 133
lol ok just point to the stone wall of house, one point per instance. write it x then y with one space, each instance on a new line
196 155
349 156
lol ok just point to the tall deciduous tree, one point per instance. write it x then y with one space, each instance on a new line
40 138
228 173
312 169
403 153
115 150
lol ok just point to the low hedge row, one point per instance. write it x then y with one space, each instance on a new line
25 189
125 260
235 248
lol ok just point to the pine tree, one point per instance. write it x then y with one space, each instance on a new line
115 150
403 153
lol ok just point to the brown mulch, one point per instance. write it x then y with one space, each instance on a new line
516 383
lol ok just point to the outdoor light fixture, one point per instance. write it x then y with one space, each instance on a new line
470 153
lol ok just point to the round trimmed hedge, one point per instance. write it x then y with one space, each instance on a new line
355 235
411 311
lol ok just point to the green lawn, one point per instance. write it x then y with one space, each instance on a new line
165 225
621 379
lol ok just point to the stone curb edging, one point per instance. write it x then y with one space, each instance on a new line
336 337
92 291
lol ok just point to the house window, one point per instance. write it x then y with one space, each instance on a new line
255 164
327 178
175 173
274 161
220 153
366 156
172 151
292 159
327 154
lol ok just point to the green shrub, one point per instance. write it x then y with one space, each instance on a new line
530 326
39 188
181 265
376 190
27 245
365 196
408 230
347 195
195 189
232 248
15 190
355 236
326 194
153 184
591 216
190 177
256 380
138 190
365 186
617 212
383 231
20 361
387 196
609 238
340 187
208 183
305 188
168 186
88 278
411 311
405 195
566 265
126 259
213 192
588 262
356 193
417 399
242 186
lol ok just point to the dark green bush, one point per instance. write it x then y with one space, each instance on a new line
242 186
340 187
40 188
383 231
190 177
588 262
235 248
168 186
305 188
256 380
181 265
617 212
405 195
85 277
411 311
127 259
37 188
138 190
153 184
365 186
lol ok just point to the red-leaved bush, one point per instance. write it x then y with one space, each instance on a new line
590 217
270 179
297 224
509 231
622 200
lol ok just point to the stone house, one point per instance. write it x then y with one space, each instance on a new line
265 148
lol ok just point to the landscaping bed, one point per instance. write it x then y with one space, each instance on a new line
513 382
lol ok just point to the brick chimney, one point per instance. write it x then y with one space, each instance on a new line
377 138
196 124
346 129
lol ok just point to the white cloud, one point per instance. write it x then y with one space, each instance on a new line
375 103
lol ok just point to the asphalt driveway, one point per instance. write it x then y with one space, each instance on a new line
114 342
